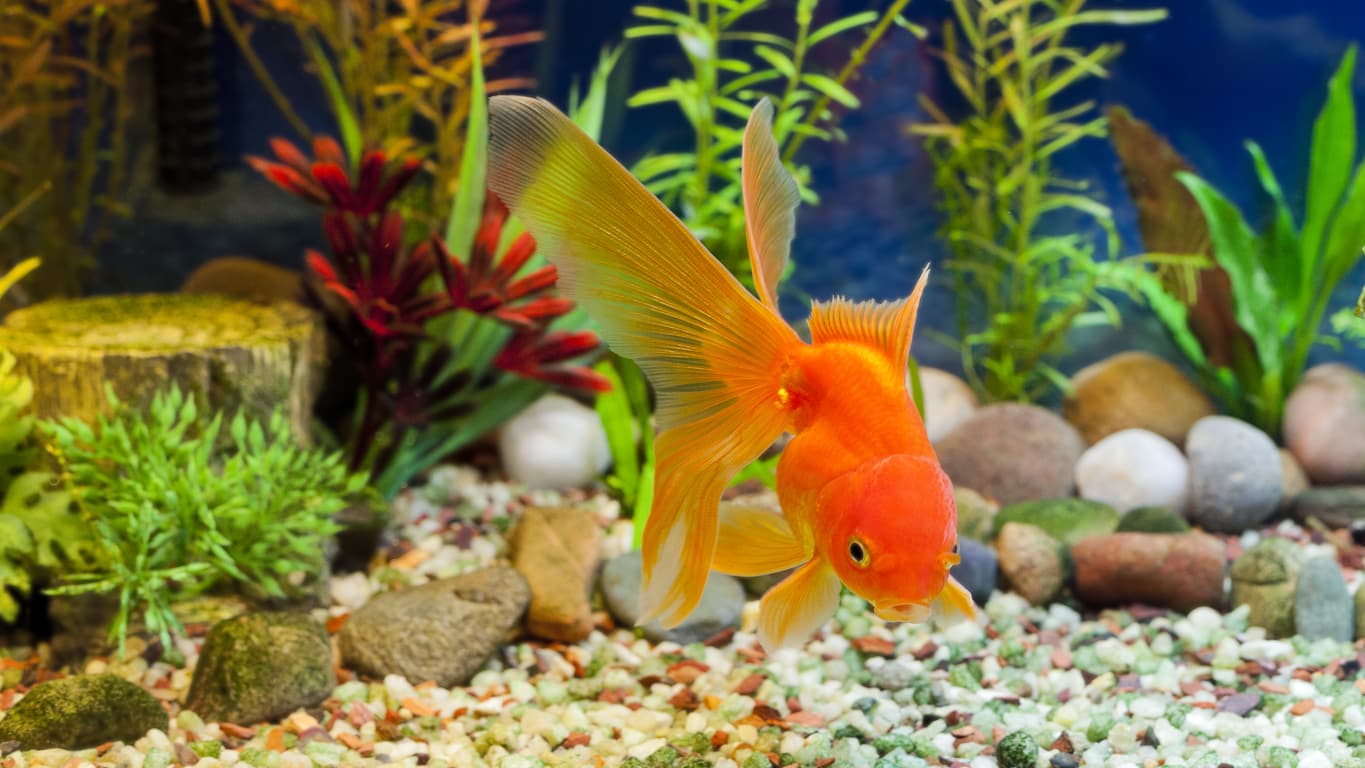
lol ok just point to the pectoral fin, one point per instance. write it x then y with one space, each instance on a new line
754 540
791 612
954 604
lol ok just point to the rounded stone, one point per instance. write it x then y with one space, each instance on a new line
1264 579
443 630
261 666
1235 474
1134 390
1293 480
1340 506
975 514
1031 562
1181 571
1012 452
82 711
1324 424
554 443
948 401
1152 520
1134 468
978 571
1065 520
1323 607
721 606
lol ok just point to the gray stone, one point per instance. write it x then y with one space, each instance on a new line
978 571
82 711
443 630
1066 520
261 666
721 606
1012 452
758 586
1322 604
1235 474
1339 506
1264 578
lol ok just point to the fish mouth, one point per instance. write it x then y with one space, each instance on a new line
912 613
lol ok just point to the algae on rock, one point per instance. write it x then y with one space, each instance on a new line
262 666
82 711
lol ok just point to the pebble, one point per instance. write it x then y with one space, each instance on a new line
556 442
978 570
1179 571
1012 452
1235 474
948 401
721 604
975 514
1323 607
1324 424
1030 561
1134 468
1134 390
1293 480
262 666
1263 579
558 550
1338 506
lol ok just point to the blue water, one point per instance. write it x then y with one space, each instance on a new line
1216 73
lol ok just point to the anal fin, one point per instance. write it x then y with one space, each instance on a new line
954 604
754 540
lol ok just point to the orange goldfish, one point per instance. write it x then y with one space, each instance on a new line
864 500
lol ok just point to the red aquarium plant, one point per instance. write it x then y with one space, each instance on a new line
423 396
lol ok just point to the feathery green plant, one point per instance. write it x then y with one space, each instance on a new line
1010 62
732 68
175 517
1283 278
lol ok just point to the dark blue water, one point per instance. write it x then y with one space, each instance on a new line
1216 73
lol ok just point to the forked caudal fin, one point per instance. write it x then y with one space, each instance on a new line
713 352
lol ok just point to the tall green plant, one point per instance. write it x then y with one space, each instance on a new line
1013 66
733 66
1283 277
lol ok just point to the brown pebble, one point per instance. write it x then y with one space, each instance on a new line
1179 571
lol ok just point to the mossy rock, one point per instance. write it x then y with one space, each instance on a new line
1017 750
975 515
82 711
232 353
261 666
1066 520
1152 520
1264 578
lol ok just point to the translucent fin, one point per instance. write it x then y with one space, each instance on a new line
954 604
791 611
886 325
770 201
712 351
755 540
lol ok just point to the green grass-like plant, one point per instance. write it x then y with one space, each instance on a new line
177 517
733 66
1283 277
1020 289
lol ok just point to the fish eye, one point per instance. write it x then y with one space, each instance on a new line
956 548
858 553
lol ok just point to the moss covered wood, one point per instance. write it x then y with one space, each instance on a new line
230 352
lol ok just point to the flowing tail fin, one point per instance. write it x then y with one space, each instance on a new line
713 352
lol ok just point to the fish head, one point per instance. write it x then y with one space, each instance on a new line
892 533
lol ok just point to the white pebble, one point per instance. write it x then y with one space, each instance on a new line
1134 468
556 442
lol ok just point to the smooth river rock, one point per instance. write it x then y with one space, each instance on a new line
1013 452
1177 571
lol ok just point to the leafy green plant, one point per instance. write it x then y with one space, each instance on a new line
175 517
627 414
733 66
1282 278
1020 290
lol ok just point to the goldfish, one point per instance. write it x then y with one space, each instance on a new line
864 501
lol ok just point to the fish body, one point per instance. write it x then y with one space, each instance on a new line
864 500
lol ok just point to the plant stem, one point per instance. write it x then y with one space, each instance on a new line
258 68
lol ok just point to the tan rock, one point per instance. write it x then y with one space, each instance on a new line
1013 452
1324 424
1178 571
1134 390
1031 562
558 551
1293 480
948 401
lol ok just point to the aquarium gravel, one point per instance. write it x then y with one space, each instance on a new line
1033 687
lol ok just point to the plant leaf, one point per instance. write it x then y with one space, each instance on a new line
1329 161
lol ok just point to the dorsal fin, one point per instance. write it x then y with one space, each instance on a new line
885 325
770 200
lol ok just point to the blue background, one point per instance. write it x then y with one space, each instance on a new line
1214 74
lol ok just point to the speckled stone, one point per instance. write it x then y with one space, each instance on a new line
1031 562
1012 452
1235 475
1322 604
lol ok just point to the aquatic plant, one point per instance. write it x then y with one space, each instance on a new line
627 414
1282 278
423 396
392 72
1019 289
176 516
732 68
65 108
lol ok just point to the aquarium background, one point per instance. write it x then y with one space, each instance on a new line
1211 76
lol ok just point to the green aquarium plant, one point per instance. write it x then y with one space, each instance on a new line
1282 278
1024 244
627 414
176 516
733 64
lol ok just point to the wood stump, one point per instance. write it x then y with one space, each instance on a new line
230 353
